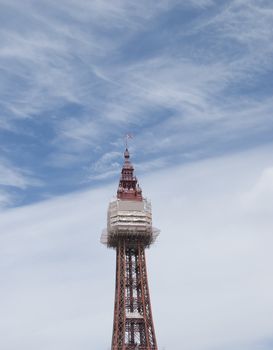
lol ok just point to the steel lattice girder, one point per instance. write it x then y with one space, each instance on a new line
133 324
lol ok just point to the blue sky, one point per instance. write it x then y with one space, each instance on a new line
192 80
189 79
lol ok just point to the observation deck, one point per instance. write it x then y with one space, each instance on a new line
131 221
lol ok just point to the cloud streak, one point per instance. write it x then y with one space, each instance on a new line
188 79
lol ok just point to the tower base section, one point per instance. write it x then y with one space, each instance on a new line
133 324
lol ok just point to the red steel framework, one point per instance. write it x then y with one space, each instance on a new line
130 231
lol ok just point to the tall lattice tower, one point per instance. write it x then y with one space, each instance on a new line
129 231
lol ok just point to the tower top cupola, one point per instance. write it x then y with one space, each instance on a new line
128 188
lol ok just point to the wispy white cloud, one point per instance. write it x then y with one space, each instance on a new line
81 131
107 159
13 176
107 174
118 13
45 49
247 22
106 166
243 32
151 165
79 69
166 82
260 199
6 199
66 159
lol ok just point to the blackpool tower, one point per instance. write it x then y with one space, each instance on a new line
129 231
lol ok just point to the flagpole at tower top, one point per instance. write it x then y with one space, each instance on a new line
126 138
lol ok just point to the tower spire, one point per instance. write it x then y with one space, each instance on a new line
128 188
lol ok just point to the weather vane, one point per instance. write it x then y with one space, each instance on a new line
126 138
